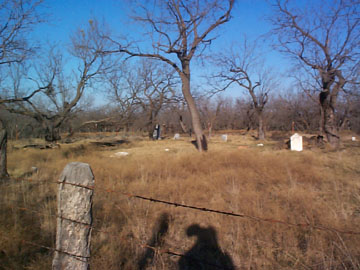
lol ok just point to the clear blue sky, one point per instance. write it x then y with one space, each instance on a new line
248 17
66 15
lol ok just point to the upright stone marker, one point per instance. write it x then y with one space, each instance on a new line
74 220
157 132
296 143
224 137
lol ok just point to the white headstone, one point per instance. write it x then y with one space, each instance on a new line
224 137
176 136
120 154
296 143
353 139
155 132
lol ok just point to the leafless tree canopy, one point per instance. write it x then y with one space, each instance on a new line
46 87
59 92
325 37
330 36
144 87
17 20
178 29
242 66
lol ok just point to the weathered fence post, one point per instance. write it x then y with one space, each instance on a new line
74 219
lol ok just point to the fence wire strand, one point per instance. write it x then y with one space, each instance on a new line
134 239
77 257
155 200
204 209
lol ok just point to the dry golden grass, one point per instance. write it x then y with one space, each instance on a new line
318 187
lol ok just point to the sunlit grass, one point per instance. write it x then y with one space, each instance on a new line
315 186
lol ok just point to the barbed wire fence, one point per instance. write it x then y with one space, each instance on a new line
90 186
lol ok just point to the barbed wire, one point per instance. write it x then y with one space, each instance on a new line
205 209
77 257
137 241
134 239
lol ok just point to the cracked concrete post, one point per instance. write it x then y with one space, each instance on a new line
74 221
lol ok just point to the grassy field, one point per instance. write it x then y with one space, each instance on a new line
319 187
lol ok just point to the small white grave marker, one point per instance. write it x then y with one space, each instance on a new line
176 136
224 137
353 139
120 154
296 142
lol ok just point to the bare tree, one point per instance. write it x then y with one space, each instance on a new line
158 90
294 110
210 110
323 37
148 85
242 67
56 102
178 30
117 86
17 18
3 144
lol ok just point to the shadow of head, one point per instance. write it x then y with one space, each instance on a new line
205 253
206 236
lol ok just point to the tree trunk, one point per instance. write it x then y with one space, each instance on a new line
321 123
3 159
328 97
201 142
261 132
344 122
182 125
52 134
328 118
210 128
150 130
150 125
330 127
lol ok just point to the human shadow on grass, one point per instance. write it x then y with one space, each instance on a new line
206 253
157 239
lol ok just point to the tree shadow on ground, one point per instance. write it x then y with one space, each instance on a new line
206 253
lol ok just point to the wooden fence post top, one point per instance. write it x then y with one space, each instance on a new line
77 173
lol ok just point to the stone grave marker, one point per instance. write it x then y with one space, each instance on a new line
224 137
296 142
157 132
176 136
